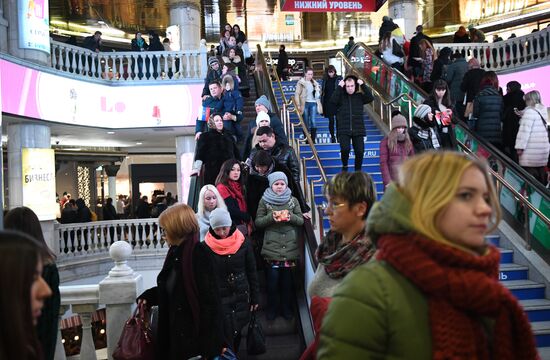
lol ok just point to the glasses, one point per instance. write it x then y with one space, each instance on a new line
330 205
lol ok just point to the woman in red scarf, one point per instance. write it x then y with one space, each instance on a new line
433 291
230 185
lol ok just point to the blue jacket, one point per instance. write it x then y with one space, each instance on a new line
215 105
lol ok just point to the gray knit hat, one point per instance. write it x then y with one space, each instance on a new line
262 100
398 121
212 60
219 218
422 110
276 176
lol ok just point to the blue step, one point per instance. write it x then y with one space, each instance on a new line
525 289
511 272
506 256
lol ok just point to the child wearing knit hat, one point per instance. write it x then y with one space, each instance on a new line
279 214
395 148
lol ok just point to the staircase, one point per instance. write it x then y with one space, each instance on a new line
514 276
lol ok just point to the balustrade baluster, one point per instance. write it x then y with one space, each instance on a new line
87 347
55 53
120 68
102 243
188 72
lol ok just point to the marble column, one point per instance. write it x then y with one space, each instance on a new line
187 15
10 12
3 30
111 171
185 150
405 14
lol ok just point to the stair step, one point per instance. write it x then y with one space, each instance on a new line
510 272
544 353
525 289
506 256
536 309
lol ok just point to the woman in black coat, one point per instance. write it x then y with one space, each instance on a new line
235 268
330 83
349 98
510 121
488 108
440 102
213 149
190 321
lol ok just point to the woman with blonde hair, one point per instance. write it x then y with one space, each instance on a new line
433 290
209 199
189 309
532 139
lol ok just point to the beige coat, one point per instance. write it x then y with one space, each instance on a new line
300 96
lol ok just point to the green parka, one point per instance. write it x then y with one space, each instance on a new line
280 238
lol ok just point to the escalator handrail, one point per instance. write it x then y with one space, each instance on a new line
260 60
492 149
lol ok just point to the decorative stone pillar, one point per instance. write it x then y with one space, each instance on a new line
111 171
405 14
118 292
186 15
185 150
11 13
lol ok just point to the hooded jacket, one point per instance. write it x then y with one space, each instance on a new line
350 116
487 115
533 137
232 101
213 149
455 73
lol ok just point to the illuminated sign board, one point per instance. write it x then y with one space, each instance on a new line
40 95
38 175
331 5
34 28
532 79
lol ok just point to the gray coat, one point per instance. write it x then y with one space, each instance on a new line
454 76
280 238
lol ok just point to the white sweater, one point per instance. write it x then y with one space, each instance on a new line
533 137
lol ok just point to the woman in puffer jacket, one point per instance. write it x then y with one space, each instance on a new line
488 109
532 140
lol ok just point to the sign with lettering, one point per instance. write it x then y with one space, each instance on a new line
34 27
330 5
38 173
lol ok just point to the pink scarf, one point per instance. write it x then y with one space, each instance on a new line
228 246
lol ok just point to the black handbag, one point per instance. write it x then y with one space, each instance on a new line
397 50
255 339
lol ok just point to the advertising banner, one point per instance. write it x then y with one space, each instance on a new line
34 28
532 79
38 174
331 5
40 95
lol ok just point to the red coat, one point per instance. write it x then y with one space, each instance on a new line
390 161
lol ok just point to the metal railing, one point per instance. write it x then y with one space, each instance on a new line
129 66
466 139
508 54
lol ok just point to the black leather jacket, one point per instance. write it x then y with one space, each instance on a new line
283 154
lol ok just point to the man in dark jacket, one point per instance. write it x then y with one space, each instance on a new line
455 73
282 64
93 42
470 82
210 104
414 50
214 73
330 84
350 122
281 152
109 211
387 26
487 114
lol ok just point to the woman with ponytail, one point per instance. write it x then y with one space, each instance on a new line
433 290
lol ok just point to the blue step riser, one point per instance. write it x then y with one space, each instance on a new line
338 162
506 258
373 172
324 148
538 315
495 240
528 293
542 340
513 275
318 190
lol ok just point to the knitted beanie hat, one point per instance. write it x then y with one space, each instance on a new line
398 121
213 60
219 218
276 176
262 115
422 110
262 100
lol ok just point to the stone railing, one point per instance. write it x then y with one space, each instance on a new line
83 239
117 292
129 66
508 54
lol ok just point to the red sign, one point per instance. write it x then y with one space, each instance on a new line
330 5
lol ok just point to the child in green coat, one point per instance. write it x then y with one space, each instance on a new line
280 215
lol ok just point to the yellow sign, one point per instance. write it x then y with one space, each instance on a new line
38 173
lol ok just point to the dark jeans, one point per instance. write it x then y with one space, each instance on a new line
279 286
331 123
538 173
358 148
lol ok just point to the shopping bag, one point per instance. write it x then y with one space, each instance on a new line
255 339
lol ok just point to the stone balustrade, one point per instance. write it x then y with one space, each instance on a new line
129 66
117 292
508 54
96 237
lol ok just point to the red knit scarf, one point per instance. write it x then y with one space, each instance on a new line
461 288
234 190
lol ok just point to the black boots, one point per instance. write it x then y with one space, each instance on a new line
313 133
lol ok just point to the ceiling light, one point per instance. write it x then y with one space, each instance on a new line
110 132
348 15
73 149
139 143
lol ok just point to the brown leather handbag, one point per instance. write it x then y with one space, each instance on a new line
136 340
